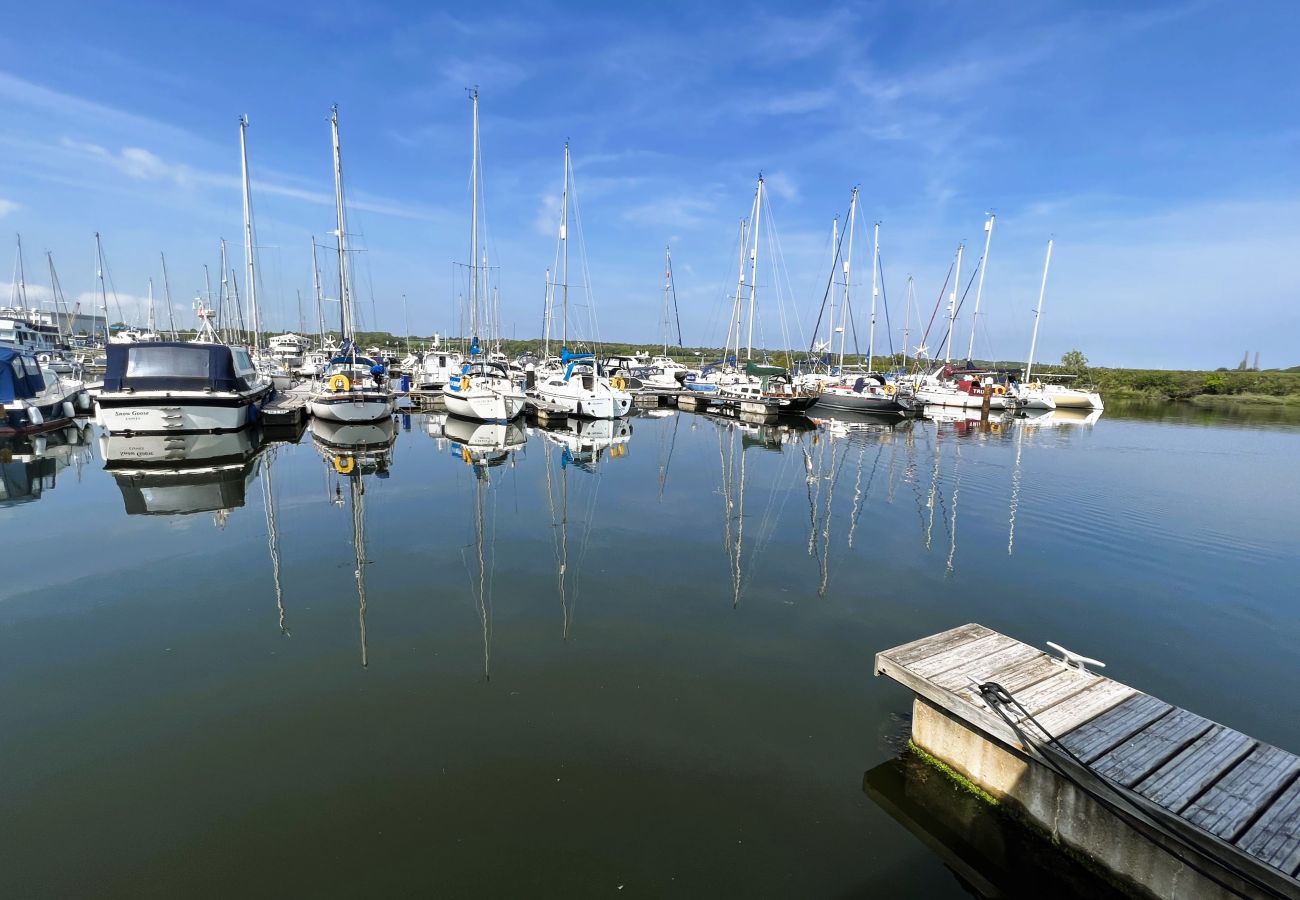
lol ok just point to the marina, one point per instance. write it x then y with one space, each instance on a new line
679 609
684 451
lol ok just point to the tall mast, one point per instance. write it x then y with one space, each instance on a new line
56 291
207 293
753 266
1033 343
103 291
875 292
341 234
315 278
668 281
250 282
740 290
907 318
835 263
151 325
848 273
672 290
564 241
167 297
22 278
546 318
473 225
952 305
302 324
979 290
223 298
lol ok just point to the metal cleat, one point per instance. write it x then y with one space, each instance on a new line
1074 660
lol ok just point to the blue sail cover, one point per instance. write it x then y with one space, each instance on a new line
170 366
20 376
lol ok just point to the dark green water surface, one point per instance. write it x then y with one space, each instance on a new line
632 663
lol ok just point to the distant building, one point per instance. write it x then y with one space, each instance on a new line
83 325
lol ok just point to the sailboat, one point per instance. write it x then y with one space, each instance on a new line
582 389
343 394
483 390
756 389
1031 394
945 386
868 392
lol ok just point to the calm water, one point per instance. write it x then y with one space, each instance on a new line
634 662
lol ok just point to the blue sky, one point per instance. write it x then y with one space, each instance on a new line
1156 142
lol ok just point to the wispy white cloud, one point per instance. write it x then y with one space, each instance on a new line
680 210
89 113
782 186
140 164
7 207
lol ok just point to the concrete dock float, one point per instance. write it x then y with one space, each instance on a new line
1168 802
285 409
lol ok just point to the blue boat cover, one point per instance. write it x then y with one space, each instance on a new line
170 366
20 376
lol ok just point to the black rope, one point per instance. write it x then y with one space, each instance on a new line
998 698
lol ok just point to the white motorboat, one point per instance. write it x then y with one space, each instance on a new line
168 387
431 370
288 349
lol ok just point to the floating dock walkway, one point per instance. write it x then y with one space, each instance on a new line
1167 800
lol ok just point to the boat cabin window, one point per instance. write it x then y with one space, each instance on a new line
167 362
243 365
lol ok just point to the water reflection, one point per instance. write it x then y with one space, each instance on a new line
586 441
175 474
738 439
852 446
351 452
483 447
30 464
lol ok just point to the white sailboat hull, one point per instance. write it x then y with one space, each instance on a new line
484 404
1069 398
352 406
958 399
602 402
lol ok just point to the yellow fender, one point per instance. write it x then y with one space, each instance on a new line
340 382
344 464
464 382
617 383
890 389
999 390
464 455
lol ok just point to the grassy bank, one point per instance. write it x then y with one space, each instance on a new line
1269 388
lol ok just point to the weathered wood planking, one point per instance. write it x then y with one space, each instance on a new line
1224 785
962 656
936 643
1235 799
1175 784
1084 706
1275 836
1148 750
1114 727
995 664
